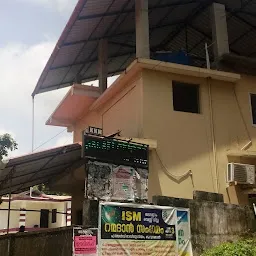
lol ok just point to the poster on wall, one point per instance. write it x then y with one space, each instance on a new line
141 191
123 183
106 181
99 180
132 229
85 242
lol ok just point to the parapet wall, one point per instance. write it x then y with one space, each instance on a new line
212 222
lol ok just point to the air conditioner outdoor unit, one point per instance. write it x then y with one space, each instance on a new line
241 173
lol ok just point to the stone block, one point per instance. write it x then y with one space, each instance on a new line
207 196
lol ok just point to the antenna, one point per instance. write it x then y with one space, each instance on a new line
208 65
33 123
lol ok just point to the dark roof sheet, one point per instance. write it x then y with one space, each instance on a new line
174 25
23 172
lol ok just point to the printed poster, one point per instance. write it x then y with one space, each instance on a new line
183 231
85 242
123 183
138 230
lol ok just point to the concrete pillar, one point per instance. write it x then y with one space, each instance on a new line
142 29
68 214
22 220
219 30
103 64
90 213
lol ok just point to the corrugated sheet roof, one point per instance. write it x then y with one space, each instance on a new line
24 172
174 25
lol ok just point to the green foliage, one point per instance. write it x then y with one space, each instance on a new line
240 248
45 189
7 143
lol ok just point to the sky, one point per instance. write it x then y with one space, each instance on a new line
29 32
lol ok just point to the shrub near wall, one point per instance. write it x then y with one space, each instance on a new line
240 248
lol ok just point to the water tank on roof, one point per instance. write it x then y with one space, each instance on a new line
179 57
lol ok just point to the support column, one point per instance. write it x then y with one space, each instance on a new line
22 220
219 30
103 64
68 214
142 29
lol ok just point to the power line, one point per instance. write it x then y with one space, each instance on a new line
50 139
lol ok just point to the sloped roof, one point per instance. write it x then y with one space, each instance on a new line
174 25
26 171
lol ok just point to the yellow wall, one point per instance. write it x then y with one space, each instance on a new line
122 112
188 141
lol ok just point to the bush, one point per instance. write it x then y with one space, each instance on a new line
240 248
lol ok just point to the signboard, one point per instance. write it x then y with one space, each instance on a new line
85 242
115 151
94 131
131 229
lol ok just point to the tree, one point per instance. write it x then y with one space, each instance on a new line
45 189
7 143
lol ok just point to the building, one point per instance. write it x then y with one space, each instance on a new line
34 211
199 119
186 88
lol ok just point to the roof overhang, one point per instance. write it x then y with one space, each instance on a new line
26 171
76 102
174 25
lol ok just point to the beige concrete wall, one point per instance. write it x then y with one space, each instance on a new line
188 141
122 112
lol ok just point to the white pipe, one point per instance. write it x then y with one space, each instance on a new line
213 136
208 65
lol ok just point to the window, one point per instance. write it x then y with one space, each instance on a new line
44 218
54 215
185 97
253 107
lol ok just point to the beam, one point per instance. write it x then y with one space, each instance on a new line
219 30
142 29
88 61
122 44
170 37
131 10
103 65
107 31
127 33
94 77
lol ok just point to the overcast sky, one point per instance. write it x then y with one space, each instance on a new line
29 32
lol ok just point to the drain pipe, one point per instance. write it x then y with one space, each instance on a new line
214 150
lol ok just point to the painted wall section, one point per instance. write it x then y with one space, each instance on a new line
122 112
194 142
